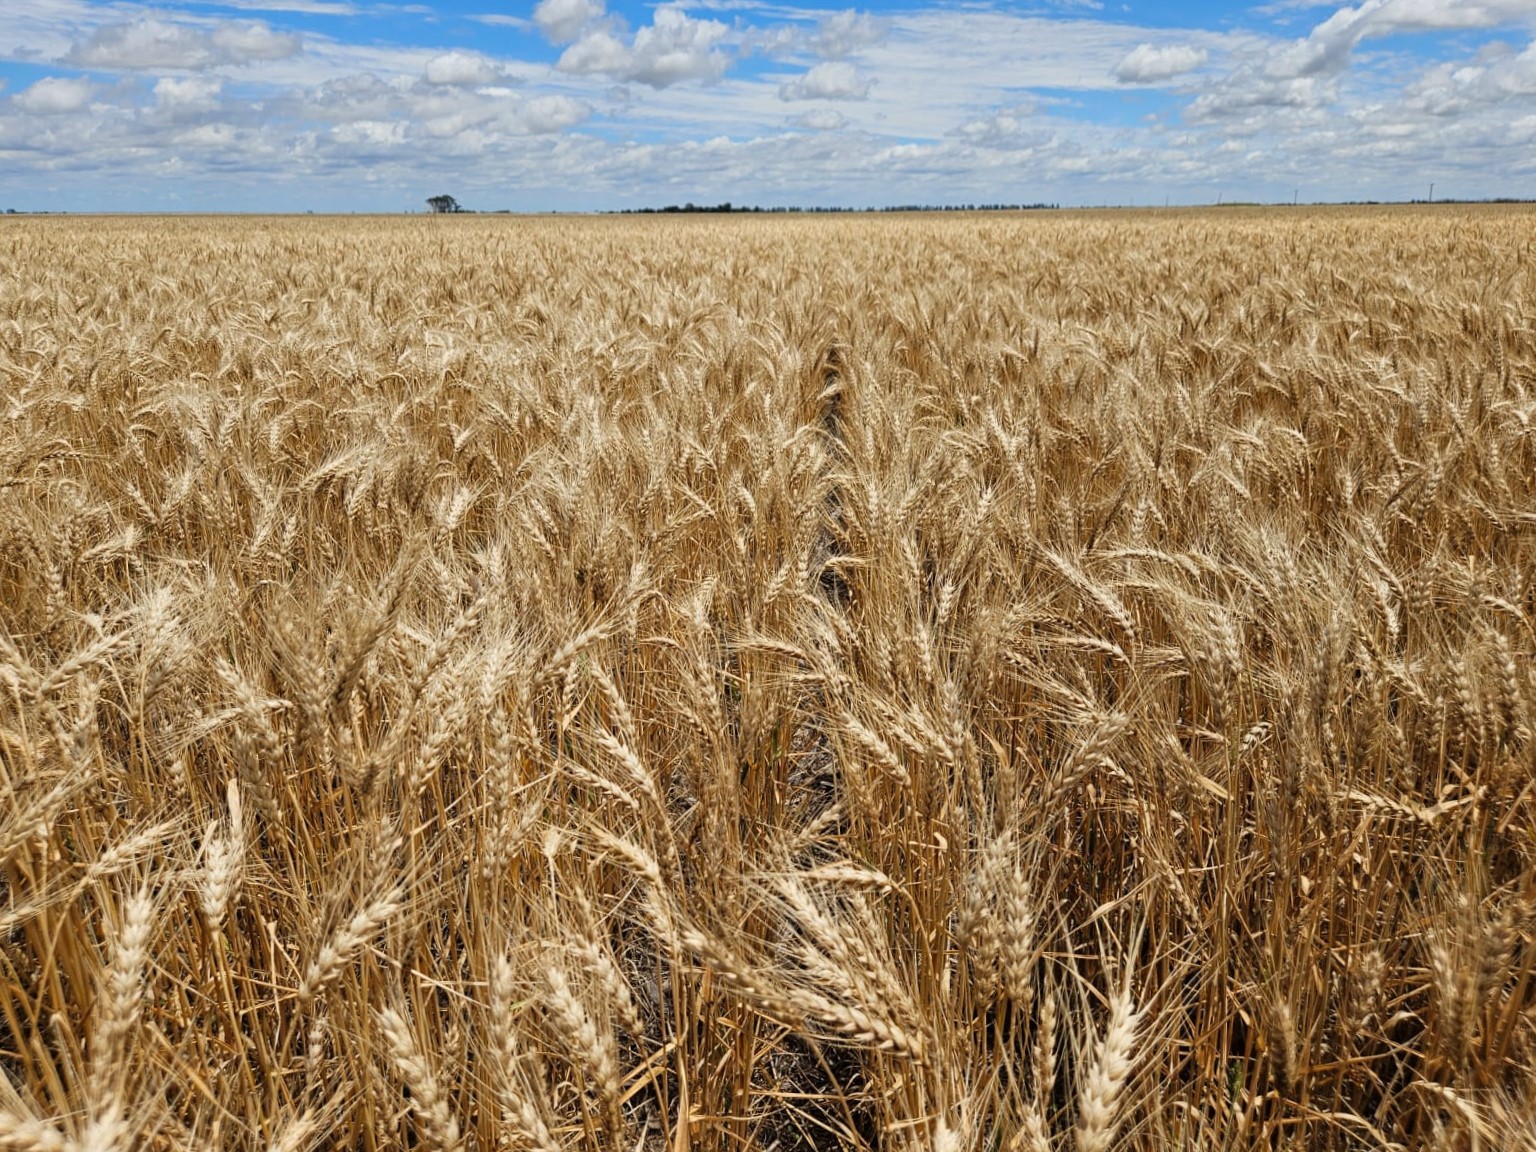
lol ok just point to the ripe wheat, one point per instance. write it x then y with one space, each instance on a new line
750 683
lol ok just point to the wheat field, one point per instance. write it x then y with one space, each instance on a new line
995 683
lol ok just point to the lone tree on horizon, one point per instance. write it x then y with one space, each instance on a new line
443 204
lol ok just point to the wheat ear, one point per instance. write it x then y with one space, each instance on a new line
439 1129
1099 1097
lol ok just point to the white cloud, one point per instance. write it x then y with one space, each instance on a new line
1250 89
462 69
55 95
371 135
1326 50
428 119
308 7
1015 126
844 33
1433 15
362 96
596 53
1496 76
674 48
552 114
835 36
209 138
563 20
190 95
144 43
1286 89
248 41
831 80
154 44
1149 64
501 20
820 120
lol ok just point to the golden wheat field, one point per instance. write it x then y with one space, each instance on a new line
1001 683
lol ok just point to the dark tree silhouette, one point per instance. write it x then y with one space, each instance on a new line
443 204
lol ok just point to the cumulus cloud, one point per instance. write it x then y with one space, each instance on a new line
462 69
250 41
150 43
835 36
361 96
1496 76
427 119
552 114
55 95
1442 15
674 48
1013 127
1326 50
193 94
145 43
844 33
832 80
597 53
1306 75
370 136
1149 64
677 47
1249 90
563 20
820 120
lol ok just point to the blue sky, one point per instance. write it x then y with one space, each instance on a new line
350 105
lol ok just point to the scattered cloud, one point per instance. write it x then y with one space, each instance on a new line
1150 64
189 95
844 33
1326 50
563 20
820 120
306 7
500 20
1251 89
151 43
773 101
462 69
834 36
55 96
552 114
673 48
1012 127
1497 75
832 80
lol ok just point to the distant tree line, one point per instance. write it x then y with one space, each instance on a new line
727 206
